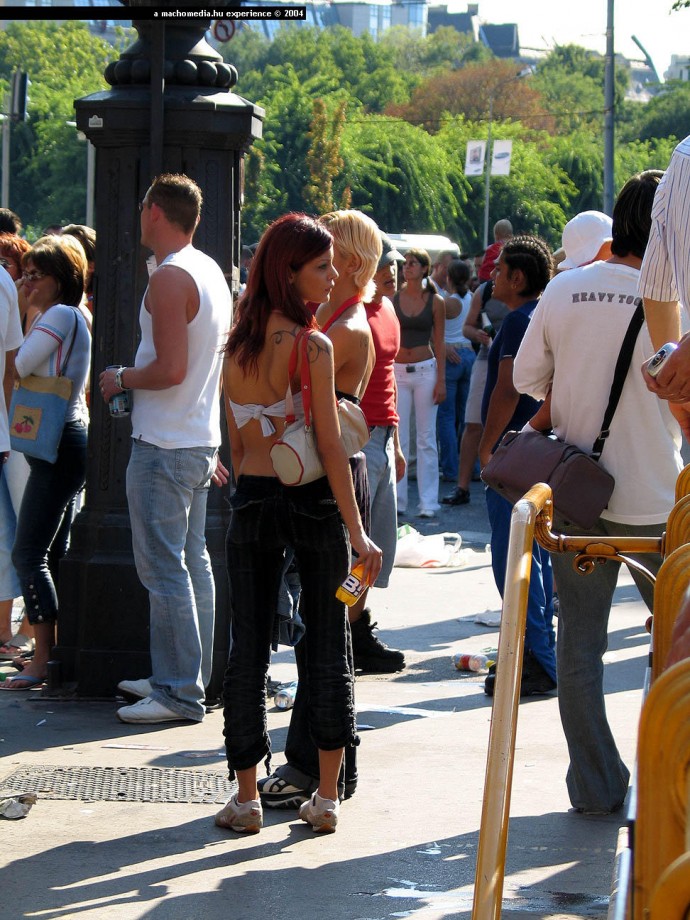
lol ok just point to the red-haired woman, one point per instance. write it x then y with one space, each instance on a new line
292 267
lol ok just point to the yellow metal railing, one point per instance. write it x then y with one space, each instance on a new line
532 518
493 834
661 861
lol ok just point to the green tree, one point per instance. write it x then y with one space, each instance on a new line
666 115
571 81
324 160
473 91
511 196
639 155
48 168
400 175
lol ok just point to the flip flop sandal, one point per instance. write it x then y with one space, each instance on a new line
8 683
18 645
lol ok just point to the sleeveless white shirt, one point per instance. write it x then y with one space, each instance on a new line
187 414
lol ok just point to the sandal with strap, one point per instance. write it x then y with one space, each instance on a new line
19 645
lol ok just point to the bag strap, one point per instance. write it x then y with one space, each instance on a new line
63 368
619 375
305 379
350 302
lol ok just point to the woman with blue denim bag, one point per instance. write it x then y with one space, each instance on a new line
291 270
58 343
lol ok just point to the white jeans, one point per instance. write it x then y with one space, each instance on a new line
417 387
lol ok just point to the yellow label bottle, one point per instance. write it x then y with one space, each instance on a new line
353 587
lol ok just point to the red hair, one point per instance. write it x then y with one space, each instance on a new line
286 246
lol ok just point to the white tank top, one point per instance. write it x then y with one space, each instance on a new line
187 414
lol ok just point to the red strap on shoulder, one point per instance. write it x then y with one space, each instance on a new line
305 379
350 302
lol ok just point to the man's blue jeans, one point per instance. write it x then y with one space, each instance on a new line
597 778
450 420
167 492
540 638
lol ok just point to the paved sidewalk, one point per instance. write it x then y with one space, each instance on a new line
407 841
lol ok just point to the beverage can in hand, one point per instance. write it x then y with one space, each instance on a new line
120 404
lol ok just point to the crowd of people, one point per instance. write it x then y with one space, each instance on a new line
443 360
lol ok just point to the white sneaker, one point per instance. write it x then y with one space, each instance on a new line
245 818
141 688
148 711
321 813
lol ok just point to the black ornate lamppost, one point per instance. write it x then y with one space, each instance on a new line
170 108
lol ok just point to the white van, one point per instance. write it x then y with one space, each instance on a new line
432 243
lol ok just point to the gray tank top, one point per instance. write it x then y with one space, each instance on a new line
415 330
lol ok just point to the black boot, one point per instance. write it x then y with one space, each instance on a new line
369 653
535 680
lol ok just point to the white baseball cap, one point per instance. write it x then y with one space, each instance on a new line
583 237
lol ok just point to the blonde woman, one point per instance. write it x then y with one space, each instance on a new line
342 317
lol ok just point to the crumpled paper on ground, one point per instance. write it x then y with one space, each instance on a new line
16 806
488 618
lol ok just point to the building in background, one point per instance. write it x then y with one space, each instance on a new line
679 68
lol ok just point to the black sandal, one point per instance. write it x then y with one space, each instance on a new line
457 497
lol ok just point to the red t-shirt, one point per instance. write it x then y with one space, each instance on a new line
492 253
379 400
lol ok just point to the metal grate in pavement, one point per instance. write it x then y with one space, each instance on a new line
121 784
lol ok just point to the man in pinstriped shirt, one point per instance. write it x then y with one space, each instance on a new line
665 283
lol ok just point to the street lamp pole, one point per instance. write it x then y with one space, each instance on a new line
609 112
5 194
487 172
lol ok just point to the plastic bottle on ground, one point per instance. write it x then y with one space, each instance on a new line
472 662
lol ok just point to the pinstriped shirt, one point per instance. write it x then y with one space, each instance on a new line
665 274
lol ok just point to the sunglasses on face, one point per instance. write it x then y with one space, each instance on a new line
33 276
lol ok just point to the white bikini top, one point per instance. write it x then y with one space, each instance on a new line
244 413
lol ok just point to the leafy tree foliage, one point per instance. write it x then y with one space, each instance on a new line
48 167
401 175
511 196
382 126
666 115
474 91
571 82
323 156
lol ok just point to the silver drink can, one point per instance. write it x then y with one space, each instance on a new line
121 403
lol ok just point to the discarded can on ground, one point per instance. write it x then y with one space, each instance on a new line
472 662
285 696
353 587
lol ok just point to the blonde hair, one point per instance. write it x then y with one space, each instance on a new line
357 235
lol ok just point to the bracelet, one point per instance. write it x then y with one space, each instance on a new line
118 378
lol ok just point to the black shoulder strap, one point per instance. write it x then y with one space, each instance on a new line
621 372
487 291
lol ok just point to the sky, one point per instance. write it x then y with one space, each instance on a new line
544 23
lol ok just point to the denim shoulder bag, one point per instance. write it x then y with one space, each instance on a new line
38 410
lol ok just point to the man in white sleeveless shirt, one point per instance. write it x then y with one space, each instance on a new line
185 315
